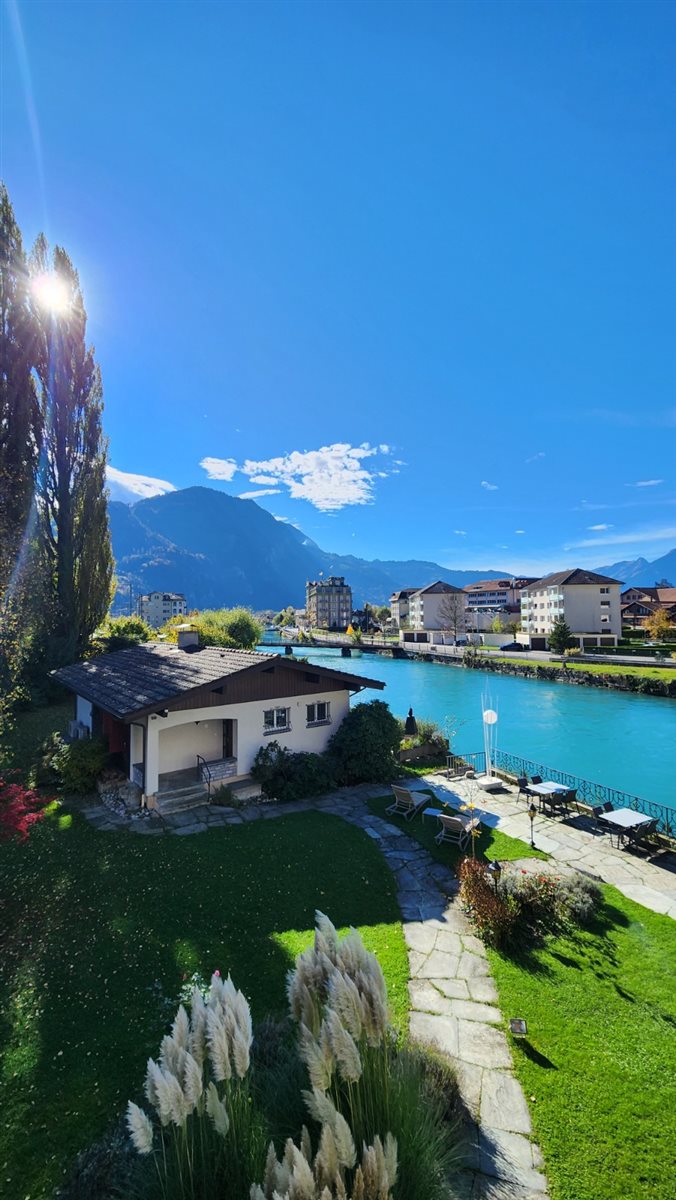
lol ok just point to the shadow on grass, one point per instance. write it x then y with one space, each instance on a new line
523 1046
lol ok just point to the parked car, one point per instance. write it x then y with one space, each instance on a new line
513 646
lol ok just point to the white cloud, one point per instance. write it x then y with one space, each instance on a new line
461 532
262 492
263 480
637 538
600 528
490 487
329 478
535 457
645 483
519 530
219 468
126 486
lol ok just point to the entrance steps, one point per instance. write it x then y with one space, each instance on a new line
173 800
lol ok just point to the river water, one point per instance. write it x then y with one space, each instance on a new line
614 738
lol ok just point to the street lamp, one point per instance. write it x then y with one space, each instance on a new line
531 813
496 871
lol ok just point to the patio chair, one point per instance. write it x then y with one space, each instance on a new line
601 825
642 837
522 784
536 779
406 803
455 829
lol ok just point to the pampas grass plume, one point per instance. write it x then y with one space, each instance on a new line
140 1129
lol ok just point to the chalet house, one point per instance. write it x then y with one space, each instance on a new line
641 602
182 713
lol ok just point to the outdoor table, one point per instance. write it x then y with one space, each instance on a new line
547 792
622 819
432 812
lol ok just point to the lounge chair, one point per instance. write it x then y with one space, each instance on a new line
456 829
406 803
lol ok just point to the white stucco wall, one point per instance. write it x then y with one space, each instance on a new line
83 711
180 744
173 741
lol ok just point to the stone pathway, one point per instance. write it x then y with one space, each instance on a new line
453 997
573 842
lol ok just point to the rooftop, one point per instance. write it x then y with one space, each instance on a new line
575 576
130 682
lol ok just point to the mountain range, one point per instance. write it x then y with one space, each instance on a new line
220 550
638 572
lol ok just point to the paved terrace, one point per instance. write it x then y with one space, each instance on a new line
573 841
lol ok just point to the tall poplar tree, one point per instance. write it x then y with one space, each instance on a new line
20 424
71 495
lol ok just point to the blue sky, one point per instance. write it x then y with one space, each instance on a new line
404 270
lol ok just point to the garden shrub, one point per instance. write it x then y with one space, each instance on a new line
285 775
366 745
77 765
527 902
493 915
20 808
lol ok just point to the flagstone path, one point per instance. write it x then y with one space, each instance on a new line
453 997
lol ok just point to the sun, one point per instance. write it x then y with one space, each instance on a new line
51 292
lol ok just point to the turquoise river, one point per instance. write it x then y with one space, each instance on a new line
624 741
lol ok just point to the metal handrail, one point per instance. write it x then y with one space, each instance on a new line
204 773
588 792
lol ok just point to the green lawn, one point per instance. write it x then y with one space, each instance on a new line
599 1063
492 844
99 930
664 673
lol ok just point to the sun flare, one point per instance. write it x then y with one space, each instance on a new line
51 292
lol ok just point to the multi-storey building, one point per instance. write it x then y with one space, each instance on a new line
399 605
587 602
639 603
488 598
328 603
158 607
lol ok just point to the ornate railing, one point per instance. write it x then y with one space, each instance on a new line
589 793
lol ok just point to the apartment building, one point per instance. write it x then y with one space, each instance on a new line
158 607
399 605
587 602
488 598
440 608
328 603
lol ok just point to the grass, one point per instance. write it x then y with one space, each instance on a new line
100 931
666 674
599 1063
490 845
20 747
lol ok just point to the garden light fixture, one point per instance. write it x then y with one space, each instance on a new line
496 871
532 810
518 1027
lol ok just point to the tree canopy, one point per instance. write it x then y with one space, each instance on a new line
236 628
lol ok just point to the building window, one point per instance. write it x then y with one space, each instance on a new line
605 604
276 720
319 714
605 591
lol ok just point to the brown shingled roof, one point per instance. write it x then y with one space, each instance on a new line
131 681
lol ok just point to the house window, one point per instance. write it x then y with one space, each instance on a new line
276 720
319 714
605 591
605 604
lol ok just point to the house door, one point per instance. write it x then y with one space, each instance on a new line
228 739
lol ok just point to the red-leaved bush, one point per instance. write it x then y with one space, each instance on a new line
493 917
20 808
